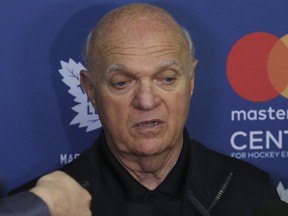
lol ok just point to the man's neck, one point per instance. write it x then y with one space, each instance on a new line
150 171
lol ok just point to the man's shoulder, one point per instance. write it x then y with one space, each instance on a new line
82 165
224 163
246 180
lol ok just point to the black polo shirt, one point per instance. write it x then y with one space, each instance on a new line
199 173
132 198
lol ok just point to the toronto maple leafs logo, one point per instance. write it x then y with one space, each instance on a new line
283 193
86 115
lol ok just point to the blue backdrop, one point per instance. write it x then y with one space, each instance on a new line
238 107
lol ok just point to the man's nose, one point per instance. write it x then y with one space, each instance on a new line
146 97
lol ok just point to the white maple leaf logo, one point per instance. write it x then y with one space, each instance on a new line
86 116
283 193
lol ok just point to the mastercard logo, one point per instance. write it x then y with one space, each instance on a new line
257 67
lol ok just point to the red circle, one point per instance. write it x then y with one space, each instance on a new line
247 67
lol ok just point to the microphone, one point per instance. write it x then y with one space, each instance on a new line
198 207
272 208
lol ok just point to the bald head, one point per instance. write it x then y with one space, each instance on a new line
134 22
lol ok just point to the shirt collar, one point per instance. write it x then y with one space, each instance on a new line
122 186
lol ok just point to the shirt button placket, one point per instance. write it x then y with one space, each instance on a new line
150 197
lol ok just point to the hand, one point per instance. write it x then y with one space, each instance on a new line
63 195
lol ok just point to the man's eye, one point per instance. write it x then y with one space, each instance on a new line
169 80
120 84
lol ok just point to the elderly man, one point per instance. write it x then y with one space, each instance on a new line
140 80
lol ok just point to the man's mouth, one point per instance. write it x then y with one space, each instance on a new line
151 123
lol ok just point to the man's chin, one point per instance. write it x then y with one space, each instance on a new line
149 148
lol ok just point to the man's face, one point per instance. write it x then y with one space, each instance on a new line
142 93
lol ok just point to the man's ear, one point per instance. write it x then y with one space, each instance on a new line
192 76
88 86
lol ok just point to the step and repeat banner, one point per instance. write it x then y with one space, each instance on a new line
239 106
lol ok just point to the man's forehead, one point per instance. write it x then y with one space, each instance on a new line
140 41
154 52
156 49
140 28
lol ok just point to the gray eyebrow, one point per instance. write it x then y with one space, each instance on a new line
116 67
121 67
168 64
